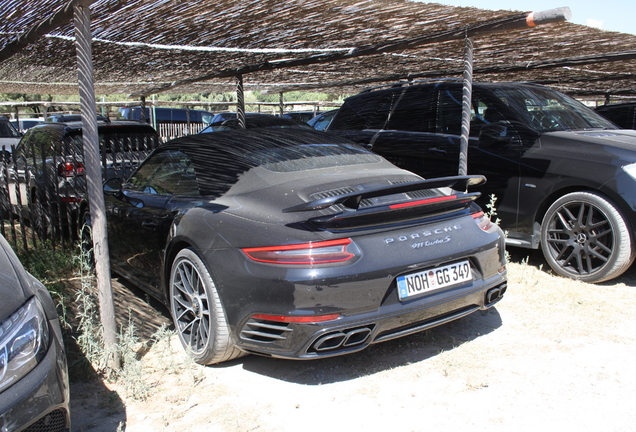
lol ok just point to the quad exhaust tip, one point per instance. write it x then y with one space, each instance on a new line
342 339
495 294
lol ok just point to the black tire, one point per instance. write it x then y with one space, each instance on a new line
197 312
585 237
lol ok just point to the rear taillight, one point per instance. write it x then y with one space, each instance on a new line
324 252
482 220
424 201
298 319
70 169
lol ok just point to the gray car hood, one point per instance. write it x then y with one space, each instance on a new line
15 288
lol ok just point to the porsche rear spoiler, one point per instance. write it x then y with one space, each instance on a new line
397 212
352 200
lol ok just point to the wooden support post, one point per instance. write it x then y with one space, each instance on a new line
93 169
467 94
240 102
142 114
281 104
189 130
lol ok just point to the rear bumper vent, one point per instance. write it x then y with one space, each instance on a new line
341 339
265 331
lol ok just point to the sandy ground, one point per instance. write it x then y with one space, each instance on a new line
553 355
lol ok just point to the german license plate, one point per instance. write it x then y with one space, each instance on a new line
432 279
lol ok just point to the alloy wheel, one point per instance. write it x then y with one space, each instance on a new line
190 306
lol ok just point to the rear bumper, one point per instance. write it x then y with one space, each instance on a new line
355 332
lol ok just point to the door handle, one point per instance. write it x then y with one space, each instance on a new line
149 225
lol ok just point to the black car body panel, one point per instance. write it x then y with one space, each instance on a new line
621 114
534 145
39 396
251 192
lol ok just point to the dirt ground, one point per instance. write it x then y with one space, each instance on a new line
553 355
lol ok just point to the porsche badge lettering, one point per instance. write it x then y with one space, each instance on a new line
421 239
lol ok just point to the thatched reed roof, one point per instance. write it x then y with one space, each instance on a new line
141 45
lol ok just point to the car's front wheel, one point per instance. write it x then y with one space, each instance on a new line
584 236
197 311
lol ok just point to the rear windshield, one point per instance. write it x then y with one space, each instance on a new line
310 156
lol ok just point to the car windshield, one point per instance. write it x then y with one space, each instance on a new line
548 111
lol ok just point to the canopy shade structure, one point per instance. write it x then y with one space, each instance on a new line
142 47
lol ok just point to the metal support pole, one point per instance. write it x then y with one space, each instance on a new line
467 92
240 102
94 180
281 104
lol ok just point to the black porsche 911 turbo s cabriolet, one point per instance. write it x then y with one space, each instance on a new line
297 244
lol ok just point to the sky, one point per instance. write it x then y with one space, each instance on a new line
615 15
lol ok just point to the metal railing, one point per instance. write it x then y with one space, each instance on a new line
43 192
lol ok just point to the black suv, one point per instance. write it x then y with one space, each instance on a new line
49 163
564 177
622 114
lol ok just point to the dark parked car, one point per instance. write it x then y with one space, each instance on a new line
255 121
564 177
303 116
222 116
294 244
621 114
34 390
24 123
167 115
68 118
9 135
321 121
50 167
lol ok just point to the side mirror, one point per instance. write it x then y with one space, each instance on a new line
113 185
506 132
498 133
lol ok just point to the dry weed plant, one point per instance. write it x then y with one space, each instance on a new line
134 375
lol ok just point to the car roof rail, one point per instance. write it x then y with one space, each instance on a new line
409 83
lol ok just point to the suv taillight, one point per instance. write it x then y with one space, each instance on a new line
70 169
